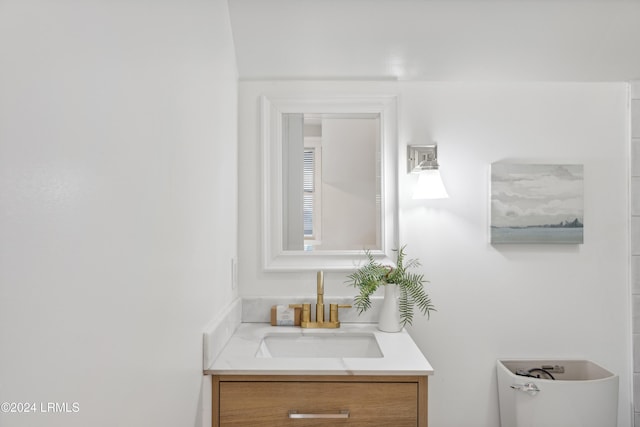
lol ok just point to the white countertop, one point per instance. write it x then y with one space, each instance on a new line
401 356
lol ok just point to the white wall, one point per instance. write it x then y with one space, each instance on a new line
493 301
118 218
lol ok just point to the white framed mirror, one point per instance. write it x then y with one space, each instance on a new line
330 173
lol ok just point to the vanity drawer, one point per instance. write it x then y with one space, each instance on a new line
269 403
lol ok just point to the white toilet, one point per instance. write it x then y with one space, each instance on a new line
556 393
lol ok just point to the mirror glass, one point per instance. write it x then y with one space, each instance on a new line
330 173
331 181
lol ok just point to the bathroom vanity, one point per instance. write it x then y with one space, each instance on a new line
304 400
354 375
327 372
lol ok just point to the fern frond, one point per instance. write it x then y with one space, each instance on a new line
405 306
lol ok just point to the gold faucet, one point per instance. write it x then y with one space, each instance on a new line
320 322
320 298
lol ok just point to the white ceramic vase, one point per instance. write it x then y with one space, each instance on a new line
389 320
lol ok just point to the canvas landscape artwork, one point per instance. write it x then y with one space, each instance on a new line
537 203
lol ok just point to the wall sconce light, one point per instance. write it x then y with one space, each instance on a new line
423 160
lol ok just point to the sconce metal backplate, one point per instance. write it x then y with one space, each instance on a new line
422 157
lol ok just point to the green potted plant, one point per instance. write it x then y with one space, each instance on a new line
404 290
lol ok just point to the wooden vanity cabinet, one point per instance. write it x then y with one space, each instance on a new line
272 400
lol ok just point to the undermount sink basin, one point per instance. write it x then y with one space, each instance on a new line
327 345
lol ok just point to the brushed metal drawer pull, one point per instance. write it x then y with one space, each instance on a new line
341 414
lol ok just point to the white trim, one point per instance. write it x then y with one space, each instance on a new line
274 258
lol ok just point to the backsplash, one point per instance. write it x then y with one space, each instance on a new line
219 331
258 309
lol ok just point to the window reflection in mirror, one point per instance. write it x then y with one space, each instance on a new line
331 181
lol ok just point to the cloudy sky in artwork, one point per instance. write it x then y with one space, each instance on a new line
529 195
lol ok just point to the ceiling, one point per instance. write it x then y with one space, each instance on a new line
439 40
